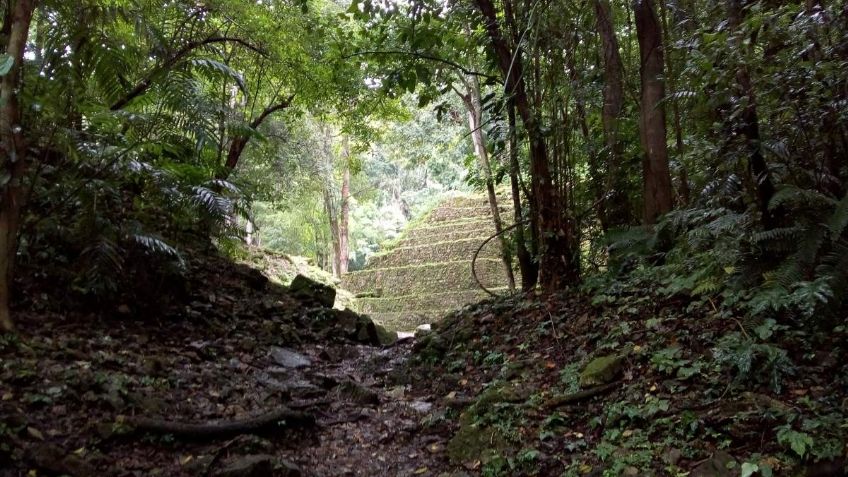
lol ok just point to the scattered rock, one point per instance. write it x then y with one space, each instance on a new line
259 465
289 358
55 459
307 289
421 406
719 465
672 456
351 325
601 370
288 469
358 394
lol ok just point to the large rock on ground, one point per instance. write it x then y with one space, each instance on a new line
307 289
351 325
601 370
288 358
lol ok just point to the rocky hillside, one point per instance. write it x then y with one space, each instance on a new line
428 272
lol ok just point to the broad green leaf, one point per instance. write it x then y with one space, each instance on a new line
6 63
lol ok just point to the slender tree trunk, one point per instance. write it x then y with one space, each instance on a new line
344 216
658 194
13 149
559 264
333 219
616 207
238 143
750 127
473 104
331 206
671 75
529 268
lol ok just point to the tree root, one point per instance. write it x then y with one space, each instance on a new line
581 395
271 420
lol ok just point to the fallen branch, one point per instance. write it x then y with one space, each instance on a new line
209 430
581 395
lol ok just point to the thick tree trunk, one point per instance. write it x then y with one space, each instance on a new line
529 268
474 107
750 127
13 149
658 194
616 207
559 264
344 215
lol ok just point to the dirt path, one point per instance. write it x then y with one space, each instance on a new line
66 394
372 425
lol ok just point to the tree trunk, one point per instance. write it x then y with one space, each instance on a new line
238 143
750 126
658 195
558 263
13 149
331 206
473 104
529 268
616 206
344 216
682 176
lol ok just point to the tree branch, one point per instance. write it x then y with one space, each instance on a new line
423 56
271 110
239 142
145 83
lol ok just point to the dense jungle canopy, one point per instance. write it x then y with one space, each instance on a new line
636 156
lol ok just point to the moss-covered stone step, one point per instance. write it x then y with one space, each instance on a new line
477 226
447 235
432 301
446 214
437 252
426 278
476 200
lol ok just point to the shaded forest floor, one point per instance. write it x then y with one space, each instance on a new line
507 387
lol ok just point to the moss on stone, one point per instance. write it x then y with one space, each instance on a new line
601 370
428 270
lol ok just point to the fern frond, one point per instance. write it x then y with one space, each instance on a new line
791 195
104 255
777 234
215 204
221 69
156 245
839 219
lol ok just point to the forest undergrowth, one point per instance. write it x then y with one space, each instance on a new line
241 376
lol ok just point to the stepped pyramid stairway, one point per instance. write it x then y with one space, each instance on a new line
428 273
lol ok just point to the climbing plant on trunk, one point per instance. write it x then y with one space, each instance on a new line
14 145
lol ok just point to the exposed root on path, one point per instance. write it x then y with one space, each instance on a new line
281 418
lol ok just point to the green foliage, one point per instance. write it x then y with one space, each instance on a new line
799 442
750 360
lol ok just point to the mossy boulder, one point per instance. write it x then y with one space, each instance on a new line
601 370
474 441
351 325
373 333
308 289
